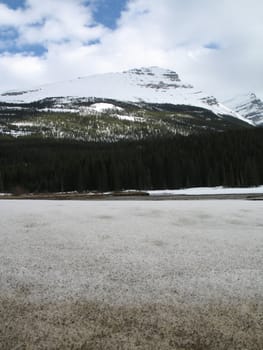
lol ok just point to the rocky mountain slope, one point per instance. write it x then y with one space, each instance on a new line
108 107
248 106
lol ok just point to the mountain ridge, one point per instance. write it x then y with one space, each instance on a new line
249 106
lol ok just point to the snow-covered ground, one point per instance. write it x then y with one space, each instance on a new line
23 124
131 275
208 191
193 191
132 252
101 107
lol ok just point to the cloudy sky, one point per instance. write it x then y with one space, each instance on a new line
216 45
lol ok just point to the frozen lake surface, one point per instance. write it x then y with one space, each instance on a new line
131 274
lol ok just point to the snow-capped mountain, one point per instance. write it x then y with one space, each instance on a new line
150 85
248 106
134 104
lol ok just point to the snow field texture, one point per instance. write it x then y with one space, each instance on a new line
132 252
131 275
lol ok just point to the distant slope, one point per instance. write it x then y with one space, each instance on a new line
249 106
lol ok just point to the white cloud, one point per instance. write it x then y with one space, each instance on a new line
9 17
21 71
168 33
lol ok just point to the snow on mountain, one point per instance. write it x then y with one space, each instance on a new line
100 108
150 85
249 106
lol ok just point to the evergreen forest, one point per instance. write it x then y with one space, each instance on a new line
231 158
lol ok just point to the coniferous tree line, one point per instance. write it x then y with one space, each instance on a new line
231 158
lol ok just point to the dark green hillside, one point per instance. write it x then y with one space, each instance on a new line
53 118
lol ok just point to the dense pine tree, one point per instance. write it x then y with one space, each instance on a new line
232 158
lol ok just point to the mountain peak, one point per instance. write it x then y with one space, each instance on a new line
154 71
252 95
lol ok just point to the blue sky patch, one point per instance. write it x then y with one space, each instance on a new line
212 46
9 45
36 49
93 42
14 4
8 36
108 12
8 33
